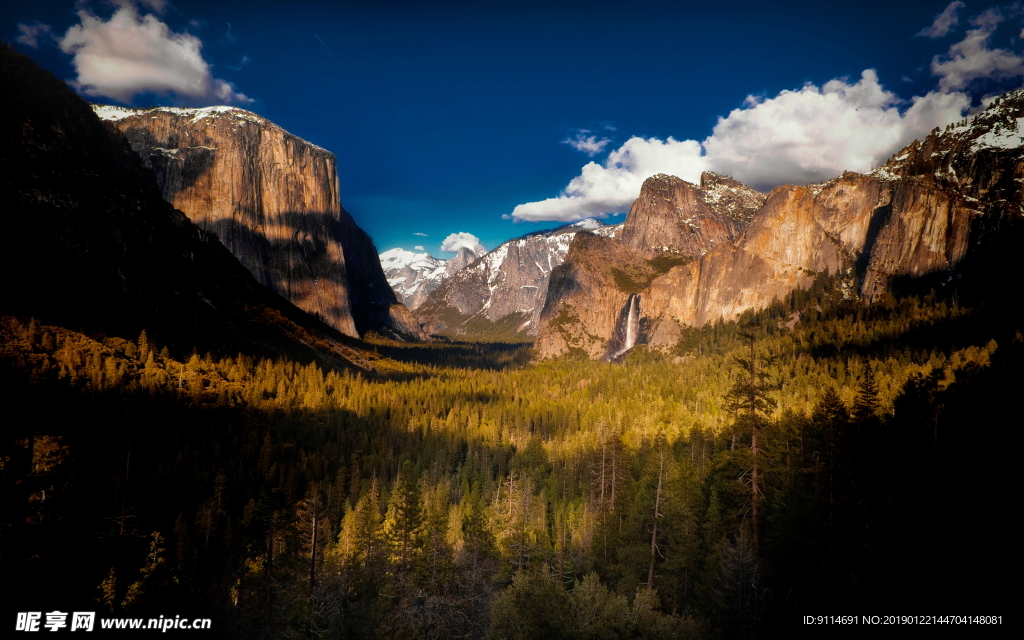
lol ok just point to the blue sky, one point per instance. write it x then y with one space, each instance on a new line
483 117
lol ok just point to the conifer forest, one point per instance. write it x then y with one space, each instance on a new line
855 462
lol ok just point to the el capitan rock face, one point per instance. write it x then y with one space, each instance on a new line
100 248
271 197
273 200
915 216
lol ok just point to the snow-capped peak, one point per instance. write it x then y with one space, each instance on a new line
398 258
587 223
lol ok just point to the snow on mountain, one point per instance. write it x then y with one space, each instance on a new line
412 275
507 285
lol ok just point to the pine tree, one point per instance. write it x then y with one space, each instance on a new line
749 401
865 407
403 524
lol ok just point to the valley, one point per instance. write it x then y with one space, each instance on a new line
732 410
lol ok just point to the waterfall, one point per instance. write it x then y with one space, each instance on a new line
632 328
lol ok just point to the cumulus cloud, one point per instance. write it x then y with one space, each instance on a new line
943 22
589 145
419 247
601 189
802 136
971 58
32 34
797 136
130 54
463 240
816 133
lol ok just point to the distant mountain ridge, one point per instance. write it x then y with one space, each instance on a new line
501 294
413 275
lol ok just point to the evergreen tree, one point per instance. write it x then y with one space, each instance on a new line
749 401
403 524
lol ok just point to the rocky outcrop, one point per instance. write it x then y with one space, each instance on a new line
273 200
462 259
918 215
674 216
501 295
587 295
731 198
271 197
874 228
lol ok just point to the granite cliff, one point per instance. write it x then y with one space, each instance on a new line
273 200
677 217
916 216
98 249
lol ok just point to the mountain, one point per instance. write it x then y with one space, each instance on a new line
501 294
95 247
273 200
676 217
413 276
916 216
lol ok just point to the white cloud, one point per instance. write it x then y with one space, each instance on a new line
589 145
419 248
800 136
418 233
31 34
943 22
461 240
971 58
815 134
600 190
131 54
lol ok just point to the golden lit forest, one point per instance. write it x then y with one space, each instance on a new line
822 456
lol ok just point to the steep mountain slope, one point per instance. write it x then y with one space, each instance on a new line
273 199
413 276
502 293
915 216
672 222
598 274
674 216
95 246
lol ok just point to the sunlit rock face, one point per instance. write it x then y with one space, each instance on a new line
587 294
95 247
677 217
918 215
271 197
